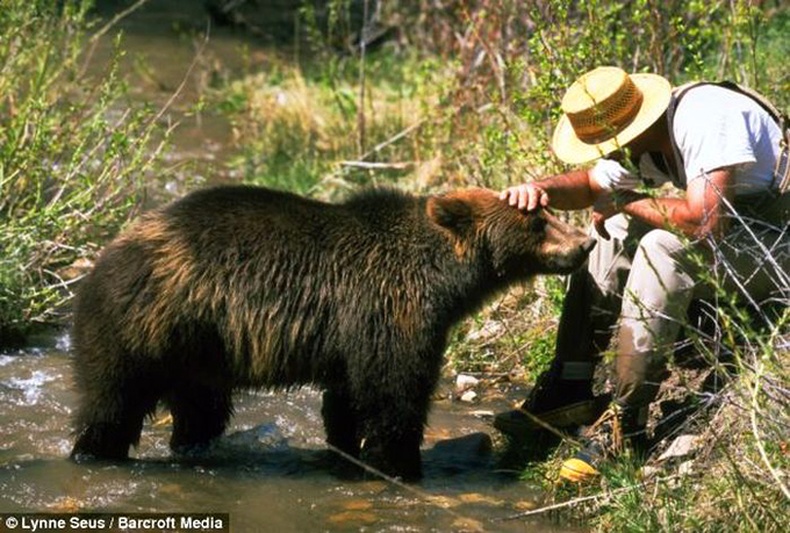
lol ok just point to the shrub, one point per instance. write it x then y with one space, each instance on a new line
73 156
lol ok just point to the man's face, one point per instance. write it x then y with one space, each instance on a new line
645 142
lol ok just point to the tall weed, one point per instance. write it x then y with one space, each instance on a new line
299 129
73 156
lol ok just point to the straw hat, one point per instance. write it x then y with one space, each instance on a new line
605 109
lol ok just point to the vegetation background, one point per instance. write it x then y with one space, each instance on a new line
427 95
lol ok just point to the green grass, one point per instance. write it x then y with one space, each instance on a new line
314 129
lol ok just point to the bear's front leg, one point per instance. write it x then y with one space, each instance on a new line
342 430
392 426
395 453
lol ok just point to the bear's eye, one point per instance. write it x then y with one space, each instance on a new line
536 223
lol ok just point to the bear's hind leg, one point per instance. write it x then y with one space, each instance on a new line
200 414
110 418
395 454
392 424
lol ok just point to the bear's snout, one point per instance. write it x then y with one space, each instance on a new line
565 247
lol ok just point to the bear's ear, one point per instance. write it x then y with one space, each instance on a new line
450 212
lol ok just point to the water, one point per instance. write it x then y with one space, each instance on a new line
270 471
270 468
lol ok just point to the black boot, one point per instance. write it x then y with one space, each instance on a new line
561 399
554 388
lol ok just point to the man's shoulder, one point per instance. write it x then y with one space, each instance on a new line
707 96
710 99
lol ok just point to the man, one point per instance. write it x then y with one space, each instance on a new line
720 148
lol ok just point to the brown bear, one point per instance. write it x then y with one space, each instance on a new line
242 287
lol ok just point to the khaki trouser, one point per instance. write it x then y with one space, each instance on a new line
639 284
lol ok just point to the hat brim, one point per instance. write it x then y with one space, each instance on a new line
656 93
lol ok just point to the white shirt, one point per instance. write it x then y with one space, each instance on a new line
713 128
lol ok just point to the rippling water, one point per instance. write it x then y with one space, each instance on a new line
271 468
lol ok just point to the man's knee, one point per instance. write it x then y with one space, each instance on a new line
661 243
662 271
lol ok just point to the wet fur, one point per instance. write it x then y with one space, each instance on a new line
242 287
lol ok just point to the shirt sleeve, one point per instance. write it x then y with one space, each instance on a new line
612 175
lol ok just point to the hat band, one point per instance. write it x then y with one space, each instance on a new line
606 119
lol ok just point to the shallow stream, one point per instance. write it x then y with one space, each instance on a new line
270 471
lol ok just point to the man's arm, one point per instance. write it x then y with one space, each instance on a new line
699 215
574 190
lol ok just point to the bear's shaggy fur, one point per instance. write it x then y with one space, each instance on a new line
243 287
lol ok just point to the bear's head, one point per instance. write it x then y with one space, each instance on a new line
516 243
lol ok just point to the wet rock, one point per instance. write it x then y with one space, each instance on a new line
467 524
465 382
442 501
469 396
477 498
353 518
66 504
682 446
473 445
464 388
357 505
525 505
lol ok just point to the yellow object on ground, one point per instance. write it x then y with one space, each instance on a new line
577 470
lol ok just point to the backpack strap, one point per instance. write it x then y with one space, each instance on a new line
780 182
678 93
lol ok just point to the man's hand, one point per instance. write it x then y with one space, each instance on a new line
603 208
611 175
527 196
609 204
